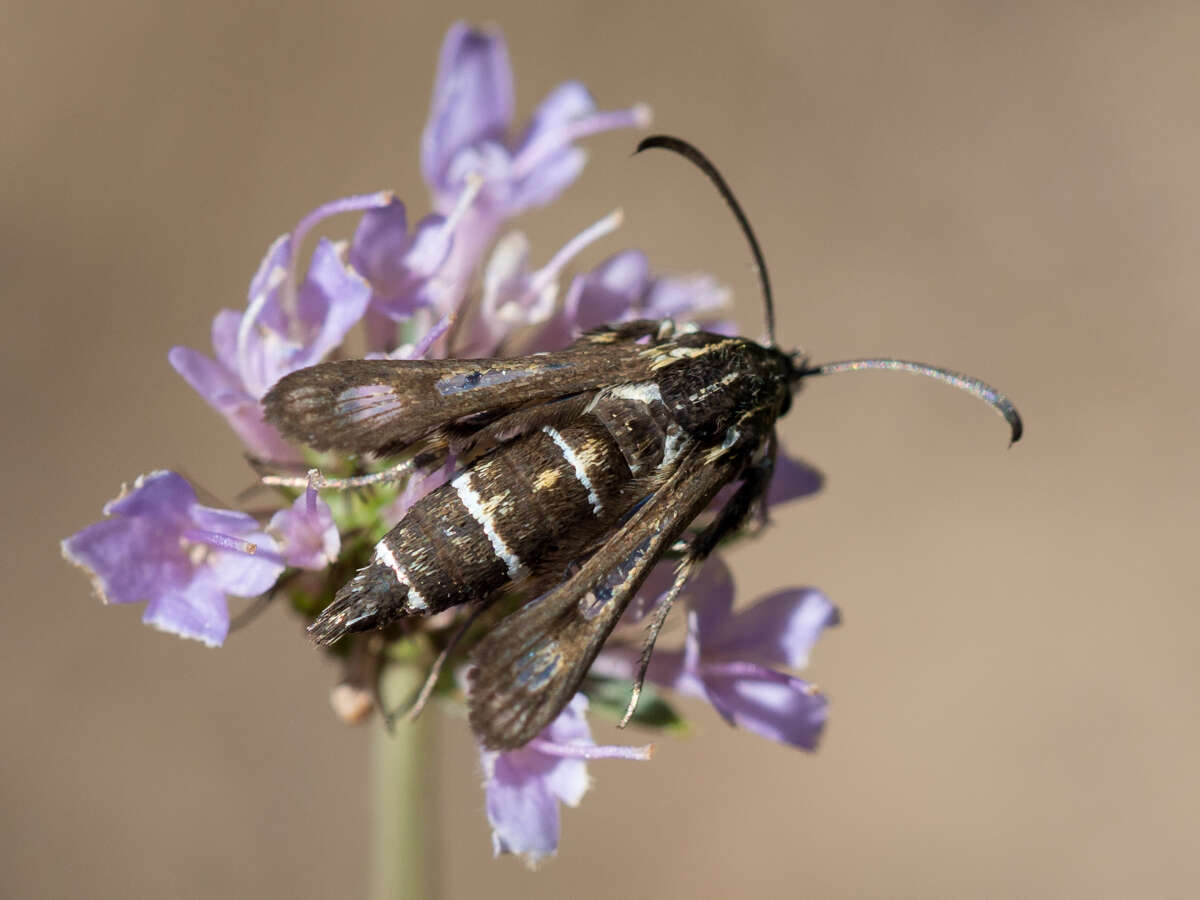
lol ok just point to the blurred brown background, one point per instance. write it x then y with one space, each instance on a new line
1009 189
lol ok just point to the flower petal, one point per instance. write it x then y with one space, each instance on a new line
246 574
330 302
522 812
564 104
128 559
160 495
793 478
780 629
683 297
224 338
548 179
472 98
568 778
307 533
772 704
197 610
222 390
610 291
380 242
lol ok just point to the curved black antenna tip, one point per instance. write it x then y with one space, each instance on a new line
693 155
657 140
1018 428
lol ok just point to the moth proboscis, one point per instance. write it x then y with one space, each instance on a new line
580 469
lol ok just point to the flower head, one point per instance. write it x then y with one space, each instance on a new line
162 546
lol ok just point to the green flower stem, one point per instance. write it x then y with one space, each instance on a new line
400 863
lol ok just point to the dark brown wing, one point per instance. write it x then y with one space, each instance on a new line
363 405
530 665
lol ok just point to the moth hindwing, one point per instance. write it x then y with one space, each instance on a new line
579 469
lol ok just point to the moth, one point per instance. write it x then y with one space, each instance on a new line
579 470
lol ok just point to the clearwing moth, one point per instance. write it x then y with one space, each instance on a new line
579 470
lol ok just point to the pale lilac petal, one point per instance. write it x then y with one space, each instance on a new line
710 596
379 245
128 560
220 387
307 533
230 522
522 812
161 495
568 778
683 297
246 574
224 338
793 478
772 704
331 301
197 611
432 242
779 630
548 179
222 390
273 268
564 104
610 292
727 327
472 98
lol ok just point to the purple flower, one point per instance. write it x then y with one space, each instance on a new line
525 786
623 288
307 534
470 129
515 295
470 134
727 657
286 326
403 267
162 546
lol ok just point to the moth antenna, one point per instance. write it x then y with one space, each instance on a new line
985 392
690 153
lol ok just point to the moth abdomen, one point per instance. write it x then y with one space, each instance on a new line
529 507
370 600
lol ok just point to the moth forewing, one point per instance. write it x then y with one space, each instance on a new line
365 405
530 665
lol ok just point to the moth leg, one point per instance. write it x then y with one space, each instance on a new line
427 459
435 671
733 514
